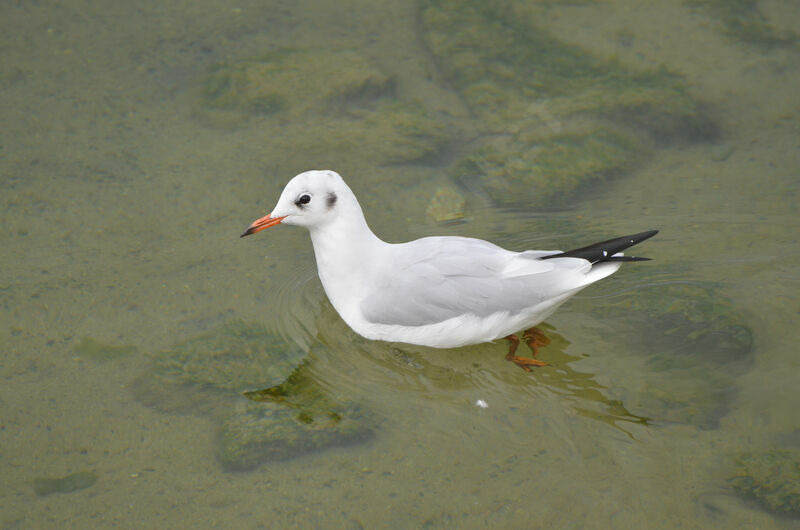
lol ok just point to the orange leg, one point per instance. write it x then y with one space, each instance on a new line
524 362
534 338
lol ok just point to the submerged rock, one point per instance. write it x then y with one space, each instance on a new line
94 349
743 21
693 395
677 321
324 102
389 132
506 67
209 375
236 357
554 117
73 482
770 478
287 420
695 343
295 82
543 170
446 205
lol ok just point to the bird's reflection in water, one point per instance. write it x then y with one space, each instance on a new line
587 394
447 375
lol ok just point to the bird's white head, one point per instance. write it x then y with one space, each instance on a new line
310 199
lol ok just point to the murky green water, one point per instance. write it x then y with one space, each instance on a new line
139 139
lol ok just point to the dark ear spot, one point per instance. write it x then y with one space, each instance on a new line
331 200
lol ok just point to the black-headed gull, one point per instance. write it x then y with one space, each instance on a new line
442 292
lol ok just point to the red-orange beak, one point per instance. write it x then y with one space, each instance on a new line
262 223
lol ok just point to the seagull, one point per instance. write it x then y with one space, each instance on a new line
442 292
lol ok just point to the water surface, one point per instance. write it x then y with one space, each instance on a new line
124 192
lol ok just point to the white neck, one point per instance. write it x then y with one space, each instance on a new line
343 273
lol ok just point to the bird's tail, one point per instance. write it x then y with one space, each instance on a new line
607 250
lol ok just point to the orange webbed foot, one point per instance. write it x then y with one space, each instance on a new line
535 338
524 362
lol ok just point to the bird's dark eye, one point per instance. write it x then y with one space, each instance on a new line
304 199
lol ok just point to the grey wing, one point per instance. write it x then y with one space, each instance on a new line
435 279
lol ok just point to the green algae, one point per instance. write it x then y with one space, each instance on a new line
501 62
692 395
287 420
694 319
295 81
91 348
73 482
239 356
547 169
553 118
210 373
743 21
447 205
694 342
388 131
770 478
325 102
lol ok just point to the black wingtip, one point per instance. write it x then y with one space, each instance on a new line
606 250
645 235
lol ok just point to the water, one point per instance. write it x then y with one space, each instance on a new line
124 194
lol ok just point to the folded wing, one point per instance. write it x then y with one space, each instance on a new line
437 278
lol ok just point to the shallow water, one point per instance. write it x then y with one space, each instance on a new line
123 198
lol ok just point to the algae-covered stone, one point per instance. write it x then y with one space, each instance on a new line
208 375
331 106
771 478
543 170
561 117
502 62
385 132
94 349
695 343
281 422
389 132
295 81
237 357
743 20
694 319
72 482
693 395
446 205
